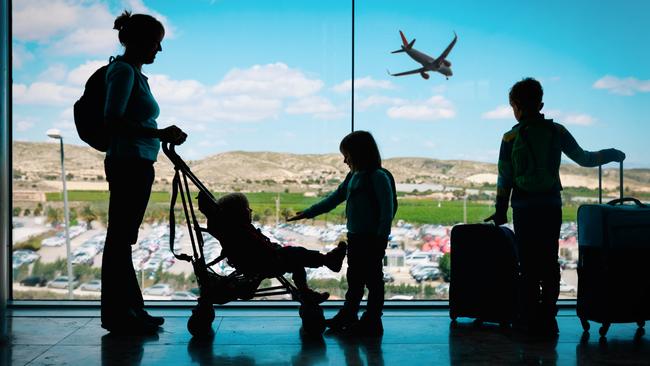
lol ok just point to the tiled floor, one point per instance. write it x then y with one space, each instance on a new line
272 337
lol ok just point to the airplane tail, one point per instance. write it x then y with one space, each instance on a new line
405 43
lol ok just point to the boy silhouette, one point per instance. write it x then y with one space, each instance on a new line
529 177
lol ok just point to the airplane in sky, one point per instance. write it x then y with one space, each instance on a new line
428 63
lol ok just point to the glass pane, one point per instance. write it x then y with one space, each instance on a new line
257 87
441 137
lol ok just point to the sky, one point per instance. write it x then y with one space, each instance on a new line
276 75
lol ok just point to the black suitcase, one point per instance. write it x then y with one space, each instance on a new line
484 273
614 247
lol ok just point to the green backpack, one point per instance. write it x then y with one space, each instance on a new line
535 159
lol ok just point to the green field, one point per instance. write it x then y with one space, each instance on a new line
417 211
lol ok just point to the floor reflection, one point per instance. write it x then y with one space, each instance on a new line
471 343
359 350
124 350
201 351
593 349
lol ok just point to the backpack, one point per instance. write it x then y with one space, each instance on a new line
535 166
372 189
89 111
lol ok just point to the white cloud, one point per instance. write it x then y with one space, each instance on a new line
23 124
45 93
570 118
87 41
72 27
54 73
626 86
379 100
166 90
579 119
363 83
273 80
39 20
500 112
80 74
434 108
317 106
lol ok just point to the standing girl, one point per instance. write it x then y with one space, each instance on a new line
369 194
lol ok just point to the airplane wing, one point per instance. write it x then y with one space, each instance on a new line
444 54
416 71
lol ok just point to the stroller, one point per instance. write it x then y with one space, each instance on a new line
221 289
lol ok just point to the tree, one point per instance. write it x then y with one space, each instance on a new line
54 215
286 213
445 266
17 211
39 209
88 214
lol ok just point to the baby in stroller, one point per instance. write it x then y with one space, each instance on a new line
253 254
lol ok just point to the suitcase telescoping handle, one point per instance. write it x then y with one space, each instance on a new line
600 183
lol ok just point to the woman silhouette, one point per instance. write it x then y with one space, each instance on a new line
130 113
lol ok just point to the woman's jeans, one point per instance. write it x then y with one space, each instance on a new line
129 182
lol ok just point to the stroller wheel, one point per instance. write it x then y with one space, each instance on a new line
200 323
313 319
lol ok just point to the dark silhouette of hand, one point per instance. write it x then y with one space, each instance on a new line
173 134
499 218
298 216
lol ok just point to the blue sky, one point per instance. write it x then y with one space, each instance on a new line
275 75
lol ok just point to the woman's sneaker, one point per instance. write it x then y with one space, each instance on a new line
334 258
369 326
157 320
341 321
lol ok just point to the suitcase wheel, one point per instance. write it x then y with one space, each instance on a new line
585 324
641 323
603 329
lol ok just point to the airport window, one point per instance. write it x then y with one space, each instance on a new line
264 91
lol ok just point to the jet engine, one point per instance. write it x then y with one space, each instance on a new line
447 63
424 75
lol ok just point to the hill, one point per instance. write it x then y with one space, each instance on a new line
36 166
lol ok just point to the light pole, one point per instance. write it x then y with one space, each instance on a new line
56 134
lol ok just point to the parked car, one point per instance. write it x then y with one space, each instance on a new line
23 256
92 285
428 274
422 266
62 282
388 278
418 257
33 281
159 289
183 295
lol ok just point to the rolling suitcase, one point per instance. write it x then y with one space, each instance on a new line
485 273
614 252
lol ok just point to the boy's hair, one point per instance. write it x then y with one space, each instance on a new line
362 150
231 202
527 94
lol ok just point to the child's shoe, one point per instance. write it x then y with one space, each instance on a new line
314 296
334 258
